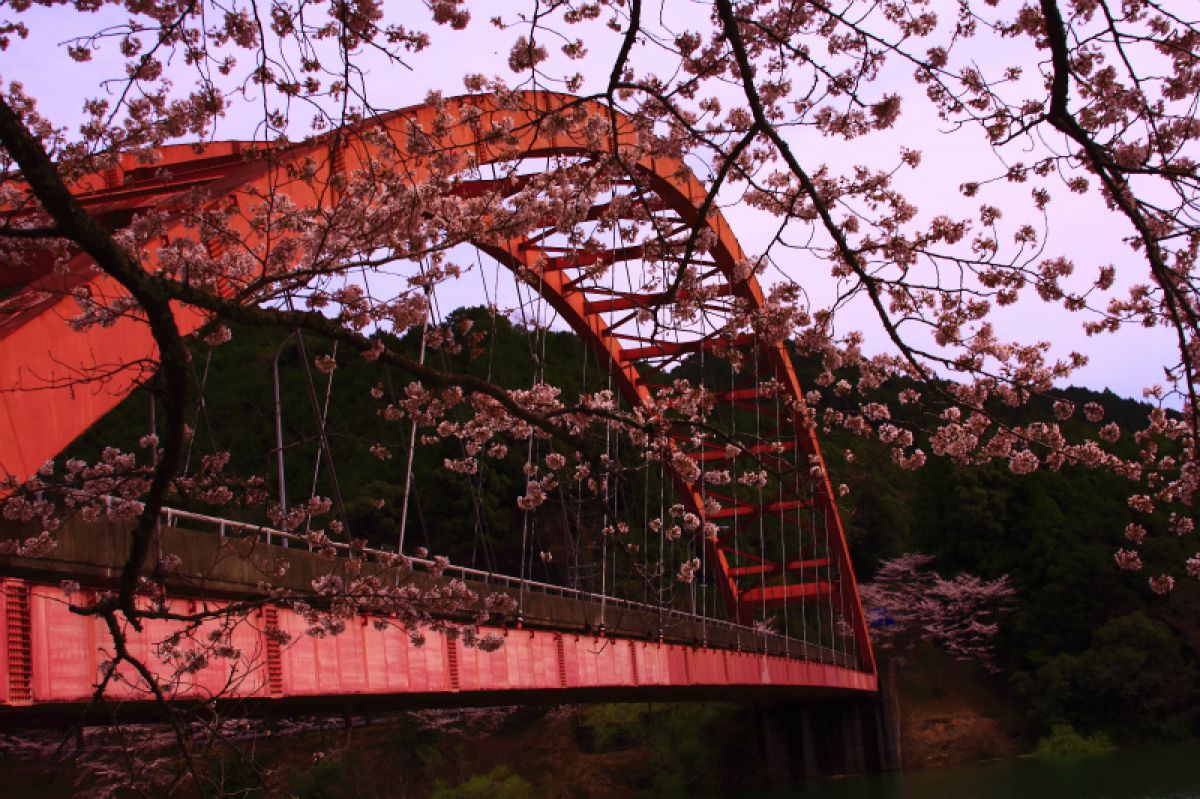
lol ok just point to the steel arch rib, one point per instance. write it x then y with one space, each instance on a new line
37 348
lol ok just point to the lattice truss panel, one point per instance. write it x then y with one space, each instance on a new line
747 479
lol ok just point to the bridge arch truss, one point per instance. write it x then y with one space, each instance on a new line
700 317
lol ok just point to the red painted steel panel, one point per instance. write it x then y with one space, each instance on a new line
570 646
662 664
325 665
63 664
420 676
298 657
591 653
490 668
397 648
615 666
514 658
612 664
375 660
547 676
4 696
677 665
472 672
518 659
695 667
66 650
712 666
582 670
352 656
652 664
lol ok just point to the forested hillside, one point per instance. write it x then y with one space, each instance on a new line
1089 644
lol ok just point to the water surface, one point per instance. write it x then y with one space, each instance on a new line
1143 772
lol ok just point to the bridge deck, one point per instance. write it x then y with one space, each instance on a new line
52 656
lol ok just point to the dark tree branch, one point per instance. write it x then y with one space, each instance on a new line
75 224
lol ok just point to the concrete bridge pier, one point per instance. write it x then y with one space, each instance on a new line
776 745
802 741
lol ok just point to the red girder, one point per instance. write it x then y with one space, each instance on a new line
719 454
775 595
673 348
37 350
738 511
575 259
629 302
505 187
51 658
773 568
748 393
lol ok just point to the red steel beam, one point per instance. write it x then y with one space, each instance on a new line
579 258
718 454
747 393
629 302
773 568
776 595
55 657
672 348
754 510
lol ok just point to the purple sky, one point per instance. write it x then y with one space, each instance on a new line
1080 227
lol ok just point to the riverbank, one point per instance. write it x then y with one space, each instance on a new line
598 751
954 713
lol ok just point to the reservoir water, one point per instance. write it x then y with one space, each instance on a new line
1143 772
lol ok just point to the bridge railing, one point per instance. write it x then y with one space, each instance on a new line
272 537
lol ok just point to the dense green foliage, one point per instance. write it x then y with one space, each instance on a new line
354 772
1089 645
238 415
1064 741
687 747
499 783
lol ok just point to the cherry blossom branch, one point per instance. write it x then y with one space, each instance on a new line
1059 115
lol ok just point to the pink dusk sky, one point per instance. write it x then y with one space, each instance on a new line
1079 228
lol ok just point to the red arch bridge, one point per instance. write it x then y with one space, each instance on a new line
643 308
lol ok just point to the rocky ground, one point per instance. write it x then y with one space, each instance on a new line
952 713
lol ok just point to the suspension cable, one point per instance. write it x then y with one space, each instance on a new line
201 410
323 423
703 494
762 539
321 429
833 630
783 535
412 443
797 464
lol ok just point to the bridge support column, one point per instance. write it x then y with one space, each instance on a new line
891 753
849 721
810 767
803 742
776 744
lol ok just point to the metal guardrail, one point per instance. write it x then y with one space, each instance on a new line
271 535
